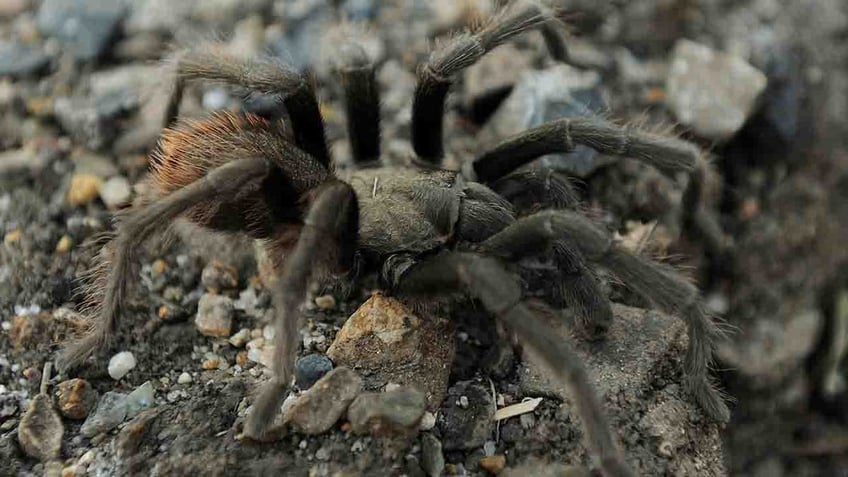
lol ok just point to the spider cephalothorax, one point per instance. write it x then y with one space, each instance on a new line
423 230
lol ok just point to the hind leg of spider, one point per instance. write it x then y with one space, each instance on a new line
436 75
327 241
362 103
579 288
500 293
534 188
669 155
226 181
296 90
656 283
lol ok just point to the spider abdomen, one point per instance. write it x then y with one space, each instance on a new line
192 148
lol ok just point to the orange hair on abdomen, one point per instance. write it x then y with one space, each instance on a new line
192 148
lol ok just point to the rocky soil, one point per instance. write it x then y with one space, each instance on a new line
381 389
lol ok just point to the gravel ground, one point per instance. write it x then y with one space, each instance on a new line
761 84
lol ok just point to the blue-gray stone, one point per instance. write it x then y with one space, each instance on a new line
540 96
311 368
85 28
19 60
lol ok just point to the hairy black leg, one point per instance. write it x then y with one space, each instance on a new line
658 284
263 76
328 240
500 293
362 103
436 75
536 187
668 154
225 182
580 289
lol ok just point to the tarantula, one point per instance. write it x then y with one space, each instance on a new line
423 230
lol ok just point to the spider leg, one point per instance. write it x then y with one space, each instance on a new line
500 293
533 187
580 289
328 239
669 155
226 181
658 284
362 103
552 34
264 76
436 75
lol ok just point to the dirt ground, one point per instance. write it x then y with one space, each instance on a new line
81 108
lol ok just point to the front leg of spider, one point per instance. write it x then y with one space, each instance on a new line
327 242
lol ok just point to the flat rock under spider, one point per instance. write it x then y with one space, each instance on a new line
424 231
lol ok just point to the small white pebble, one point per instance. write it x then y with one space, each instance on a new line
6 325
463 402
303 444
392 387
240 338
184 378
86 458
428 421
268 332
489 448
357 446
325 302
121 364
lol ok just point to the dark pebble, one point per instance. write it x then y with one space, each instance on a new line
309 369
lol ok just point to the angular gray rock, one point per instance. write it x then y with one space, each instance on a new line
111 411
318 409
84 27
392 413
544 95
636 372
713 93
19 60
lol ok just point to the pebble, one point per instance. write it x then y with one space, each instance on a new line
310 368
469 426
111 411
432 459
544 95
93 122
85 28
428 421
121 364
390 413
218 276
184 378
388 343
140 398
76 398
214 315
326 302
18 60
64 244
240 338
317 410
116 192
713 93
493 464
40 430
84 188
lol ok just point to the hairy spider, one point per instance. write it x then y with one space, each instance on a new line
423 230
